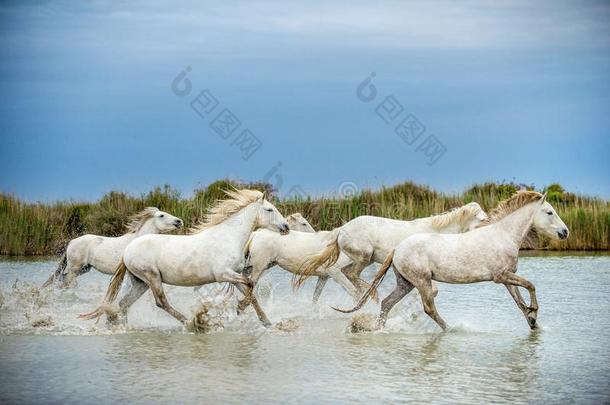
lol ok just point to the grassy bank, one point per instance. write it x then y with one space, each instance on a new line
35 228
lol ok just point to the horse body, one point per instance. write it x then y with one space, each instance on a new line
214 252
375 237
267 249
488 253
103 253
368 239
445 260
192 260
99 252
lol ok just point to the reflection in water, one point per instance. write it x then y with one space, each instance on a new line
489 355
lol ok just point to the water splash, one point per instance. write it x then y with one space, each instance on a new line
211 313
287 325
26 309
362 323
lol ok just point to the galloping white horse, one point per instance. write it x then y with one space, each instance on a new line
213 252
488 253
104 253
296 222
367 239
266 249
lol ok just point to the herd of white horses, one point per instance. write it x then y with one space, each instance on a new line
245 235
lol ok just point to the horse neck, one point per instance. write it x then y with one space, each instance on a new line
147 227
239 226
452 227
518 223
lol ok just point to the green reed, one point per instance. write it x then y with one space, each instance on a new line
38 229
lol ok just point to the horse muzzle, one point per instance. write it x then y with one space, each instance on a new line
563 234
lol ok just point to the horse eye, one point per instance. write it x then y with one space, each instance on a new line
161 216
550 212
268 210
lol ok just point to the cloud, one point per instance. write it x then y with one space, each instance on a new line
164 26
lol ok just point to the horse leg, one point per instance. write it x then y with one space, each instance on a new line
427 296
319 287
353 270
244 285
514 292
257 272
72 271
403 287
360 254
532 311
247 291
136 289
340 278
153 279
58 271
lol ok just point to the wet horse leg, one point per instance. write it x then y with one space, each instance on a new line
514 292
244 285
360 254
427 296
403 287
153 279
531 312
247 291
136 290
67 278
319 287
337 275
353 271
257 273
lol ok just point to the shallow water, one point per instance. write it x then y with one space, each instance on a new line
47 355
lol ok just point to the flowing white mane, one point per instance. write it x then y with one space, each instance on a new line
237 200
136 221
459 215
512 204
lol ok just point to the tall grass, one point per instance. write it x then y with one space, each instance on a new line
37 229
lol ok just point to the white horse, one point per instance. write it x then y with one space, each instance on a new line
213 252
266 249
104 253
488 253
367 239
297 222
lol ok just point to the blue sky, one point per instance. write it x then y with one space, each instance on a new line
513 90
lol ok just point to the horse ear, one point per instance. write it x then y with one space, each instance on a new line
262 197
543 198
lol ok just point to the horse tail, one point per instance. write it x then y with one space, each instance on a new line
111 293
63 262
247 247
374 284
325 258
